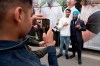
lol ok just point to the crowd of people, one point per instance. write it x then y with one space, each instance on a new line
19 24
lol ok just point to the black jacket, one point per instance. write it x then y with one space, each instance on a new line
76 34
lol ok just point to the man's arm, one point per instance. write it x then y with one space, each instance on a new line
41 52
48 39
52 58
32 41
81 25
60 25
93 23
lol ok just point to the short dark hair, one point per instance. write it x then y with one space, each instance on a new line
6 5
68 10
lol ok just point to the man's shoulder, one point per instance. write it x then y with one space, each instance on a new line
72 20
62 18
73 9
56 4
96 13
45 5
68 19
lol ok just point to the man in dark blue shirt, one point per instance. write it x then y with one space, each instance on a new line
15 23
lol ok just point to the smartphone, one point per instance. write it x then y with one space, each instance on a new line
45 24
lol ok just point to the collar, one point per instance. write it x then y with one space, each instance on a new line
72 8
8 44
53 5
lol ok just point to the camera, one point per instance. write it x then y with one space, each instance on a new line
45 25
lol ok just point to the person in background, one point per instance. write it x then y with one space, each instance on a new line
15 24
71 6
33 40
52 11
64 27
90 14
76 36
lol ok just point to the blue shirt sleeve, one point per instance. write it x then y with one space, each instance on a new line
52 58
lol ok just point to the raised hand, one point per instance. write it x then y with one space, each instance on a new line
48 38
65 24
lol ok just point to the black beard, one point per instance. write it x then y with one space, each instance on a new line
75 19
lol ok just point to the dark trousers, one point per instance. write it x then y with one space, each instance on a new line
56 37
77 47
40 34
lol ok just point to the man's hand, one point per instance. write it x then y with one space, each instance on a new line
42 44
35 26
65 24
57 23
78 26
56 27
48 38
38 17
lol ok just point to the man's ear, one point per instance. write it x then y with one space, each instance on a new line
18 14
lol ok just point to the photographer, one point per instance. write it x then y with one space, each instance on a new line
15 24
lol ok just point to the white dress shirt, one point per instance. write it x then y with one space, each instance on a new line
64 30
54 13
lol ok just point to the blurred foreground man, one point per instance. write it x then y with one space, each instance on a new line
90 14
15 23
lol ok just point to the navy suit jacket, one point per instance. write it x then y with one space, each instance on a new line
76 34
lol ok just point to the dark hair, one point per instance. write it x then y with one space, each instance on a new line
6 5
68 10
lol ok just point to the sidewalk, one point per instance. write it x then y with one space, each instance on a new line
87 59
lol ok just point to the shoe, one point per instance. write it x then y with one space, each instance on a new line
80 61
72 56
59 55
66 56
